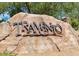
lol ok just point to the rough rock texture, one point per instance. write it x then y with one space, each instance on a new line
78 33
36 44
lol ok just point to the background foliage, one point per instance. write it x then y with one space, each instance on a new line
55 9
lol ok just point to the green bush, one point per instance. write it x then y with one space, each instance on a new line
54 9
75 23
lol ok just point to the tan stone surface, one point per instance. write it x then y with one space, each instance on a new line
40 45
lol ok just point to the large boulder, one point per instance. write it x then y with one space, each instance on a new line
33 33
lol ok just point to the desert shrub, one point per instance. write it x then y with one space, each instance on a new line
75 23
